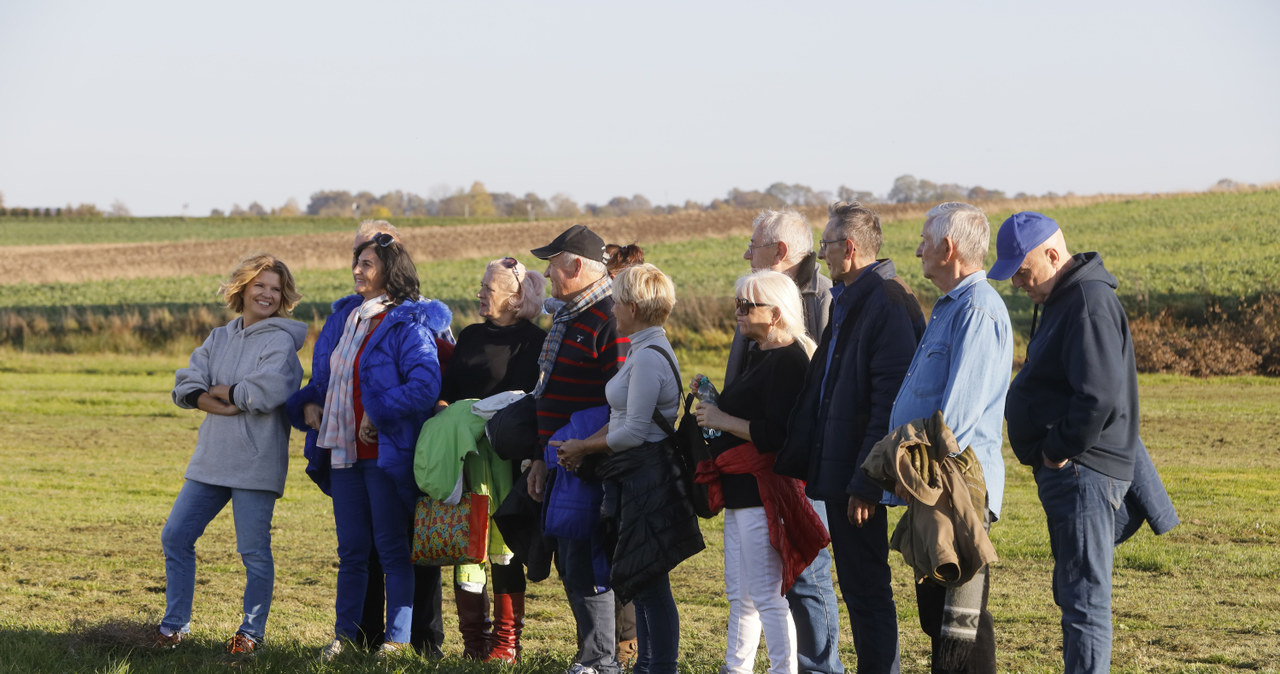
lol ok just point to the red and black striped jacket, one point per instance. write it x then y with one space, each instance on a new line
589 355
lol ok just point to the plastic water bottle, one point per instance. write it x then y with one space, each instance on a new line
706 392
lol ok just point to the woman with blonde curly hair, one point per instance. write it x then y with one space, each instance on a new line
240 377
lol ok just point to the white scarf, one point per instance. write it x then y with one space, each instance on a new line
338 432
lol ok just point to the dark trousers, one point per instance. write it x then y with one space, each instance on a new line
657 628
862 566
930 599
427 628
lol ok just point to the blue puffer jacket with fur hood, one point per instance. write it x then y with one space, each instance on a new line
399 381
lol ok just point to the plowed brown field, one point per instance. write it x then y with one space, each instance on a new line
92 262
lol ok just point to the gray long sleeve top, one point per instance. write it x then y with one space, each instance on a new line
644 381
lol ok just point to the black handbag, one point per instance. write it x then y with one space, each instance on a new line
688 448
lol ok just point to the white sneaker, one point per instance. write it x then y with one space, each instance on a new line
579 668
328 653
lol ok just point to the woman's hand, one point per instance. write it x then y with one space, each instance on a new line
710 416
221 392
215 405
312 415
570 452
693 384
368 434
537 479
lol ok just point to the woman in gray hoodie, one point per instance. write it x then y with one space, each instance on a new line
240 377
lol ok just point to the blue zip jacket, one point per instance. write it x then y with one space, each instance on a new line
399 381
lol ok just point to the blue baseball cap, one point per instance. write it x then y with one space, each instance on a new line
1019 235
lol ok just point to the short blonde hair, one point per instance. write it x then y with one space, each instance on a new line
529 290
232 290
652 291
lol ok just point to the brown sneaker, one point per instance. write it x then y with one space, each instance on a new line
166 642
241 644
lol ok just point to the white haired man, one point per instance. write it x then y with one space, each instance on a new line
782 241
962 368
583 350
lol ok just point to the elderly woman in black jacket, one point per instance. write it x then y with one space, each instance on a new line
641 479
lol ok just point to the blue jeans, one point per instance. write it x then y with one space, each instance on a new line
817 615
370 504
657 628
592 606
862 563
196 506
1080 506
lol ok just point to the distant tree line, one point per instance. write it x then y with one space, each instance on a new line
478 202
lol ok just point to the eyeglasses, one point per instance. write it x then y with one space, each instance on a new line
744 306
823 242
759 245
383 239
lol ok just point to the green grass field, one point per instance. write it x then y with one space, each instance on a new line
95 453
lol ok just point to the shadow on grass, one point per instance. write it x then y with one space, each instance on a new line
120 646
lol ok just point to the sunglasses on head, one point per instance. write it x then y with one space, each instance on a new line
512 264
383 239
744 306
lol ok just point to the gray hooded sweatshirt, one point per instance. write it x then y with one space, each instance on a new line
249 450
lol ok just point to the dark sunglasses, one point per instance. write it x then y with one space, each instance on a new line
383 239
744 306
512 264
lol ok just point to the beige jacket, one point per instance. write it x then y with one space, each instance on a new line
941 535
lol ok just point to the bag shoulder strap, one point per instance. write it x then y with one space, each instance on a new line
657 416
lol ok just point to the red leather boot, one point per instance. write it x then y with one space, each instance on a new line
473 622
508 622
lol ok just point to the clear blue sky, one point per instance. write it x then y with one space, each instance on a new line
161 103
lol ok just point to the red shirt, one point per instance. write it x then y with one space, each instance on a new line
364 450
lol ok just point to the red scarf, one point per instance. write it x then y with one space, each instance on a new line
802 536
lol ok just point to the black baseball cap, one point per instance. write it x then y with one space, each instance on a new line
578 240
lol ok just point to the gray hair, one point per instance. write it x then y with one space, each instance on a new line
779 291
371 228
530 289
590 267
858 223
966 225
788 227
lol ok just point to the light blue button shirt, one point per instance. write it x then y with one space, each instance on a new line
962 367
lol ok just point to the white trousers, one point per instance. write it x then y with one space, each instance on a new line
753 583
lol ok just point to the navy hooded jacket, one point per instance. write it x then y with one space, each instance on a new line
1076 396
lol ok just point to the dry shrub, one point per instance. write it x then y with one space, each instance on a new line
1244 341
701 323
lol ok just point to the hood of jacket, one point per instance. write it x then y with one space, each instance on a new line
1086 267
295 329
433 314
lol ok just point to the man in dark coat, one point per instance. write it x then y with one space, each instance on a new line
844 410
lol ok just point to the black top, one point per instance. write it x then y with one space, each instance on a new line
490 359
763 395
